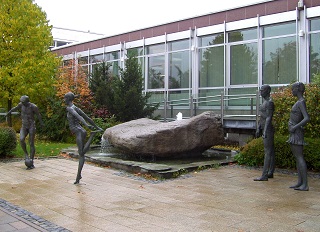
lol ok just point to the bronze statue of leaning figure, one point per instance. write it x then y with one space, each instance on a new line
28 111
75 115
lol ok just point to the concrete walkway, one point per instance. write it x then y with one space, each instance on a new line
223 199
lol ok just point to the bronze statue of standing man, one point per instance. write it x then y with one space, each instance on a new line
28 111
299 117
265 128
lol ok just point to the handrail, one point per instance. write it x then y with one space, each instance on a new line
193 103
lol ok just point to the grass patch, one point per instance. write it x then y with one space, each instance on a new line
43 149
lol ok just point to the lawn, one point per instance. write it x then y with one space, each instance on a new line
43 149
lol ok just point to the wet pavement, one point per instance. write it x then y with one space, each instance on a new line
216 199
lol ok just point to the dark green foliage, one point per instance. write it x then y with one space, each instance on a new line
55 122
103 123
8 141
130 101
101 85
252 154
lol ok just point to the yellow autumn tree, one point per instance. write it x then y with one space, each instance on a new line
27 66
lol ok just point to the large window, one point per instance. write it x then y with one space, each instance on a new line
279 54
113 59
83 60
139 54
244 64
156 72
314 49
211 61
96 58
156 66
179 64
243 57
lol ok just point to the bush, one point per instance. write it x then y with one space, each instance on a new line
252 154
8 141
104 123
284 100
55 122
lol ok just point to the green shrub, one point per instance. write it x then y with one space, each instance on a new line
284 100
8 141
55 122
252 154
104 123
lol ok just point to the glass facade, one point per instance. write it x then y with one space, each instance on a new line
230 60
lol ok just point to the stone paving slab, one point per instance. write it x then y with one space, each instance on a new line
217 199
14 218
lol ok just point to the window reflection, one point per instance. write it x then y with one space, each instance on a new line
154 49
178 45
211 67
212 40
242 35
96 58
156 72
279 61
179 70
314 50
279 64
279 29
244 64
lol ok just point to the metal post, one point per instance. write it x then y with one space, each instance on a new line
222 106
165 108
194 107
191 106
257 107
251 105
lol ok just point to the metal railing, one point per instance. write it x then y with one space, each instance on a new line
224 104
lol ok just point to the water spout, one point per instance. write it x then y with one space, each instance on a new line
105 145
179 116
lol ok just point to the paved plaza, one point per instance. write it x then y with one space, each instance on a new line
218 199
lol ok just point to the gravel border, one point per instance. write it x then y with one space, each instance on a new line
32 219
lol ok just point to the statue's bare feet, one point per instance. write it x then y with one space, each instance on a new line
77 180
261 179
302 188
295 186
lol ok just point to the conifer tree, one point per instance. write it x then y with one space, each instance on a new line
101 85
130 101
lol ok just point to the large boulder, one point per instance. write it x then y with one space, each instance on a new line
167 139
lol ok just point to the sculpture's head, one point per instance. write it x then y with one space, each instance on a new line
69 97
24 100
265 90
298 87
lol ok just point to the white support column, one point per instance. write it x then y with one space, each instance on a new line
302 46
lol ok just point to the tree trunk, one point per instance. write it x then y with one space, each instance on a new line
9 119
